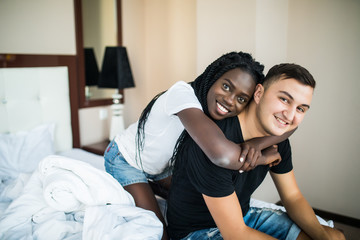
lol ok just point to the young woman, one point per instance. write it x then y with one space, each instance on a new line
144 151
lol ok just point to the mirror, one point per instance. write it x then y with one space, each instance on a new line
98 24
99 31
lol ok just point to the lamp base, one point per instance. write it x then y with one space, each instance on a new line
117 120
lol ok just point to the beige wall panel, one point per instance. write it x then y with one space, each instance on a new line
37 27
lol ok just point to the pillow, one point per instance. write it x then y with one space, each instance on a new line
21 152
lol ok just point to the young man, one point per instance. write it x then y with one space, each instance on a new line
209 202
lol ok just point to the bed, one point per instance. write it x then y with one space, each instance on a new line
48 189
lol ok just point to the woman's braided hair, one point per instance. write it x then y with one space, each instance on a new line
201 86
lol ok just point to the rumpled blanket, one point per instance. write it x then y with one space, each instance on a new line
69 199
121 222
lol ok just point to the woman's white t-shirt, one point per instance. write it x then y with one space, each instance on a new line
162 129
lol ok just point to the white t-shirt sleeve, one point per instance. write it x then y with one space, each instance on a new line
179 97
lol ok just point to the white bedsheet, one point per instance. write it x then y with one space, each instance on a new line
70 182
79 154
122 223
64 198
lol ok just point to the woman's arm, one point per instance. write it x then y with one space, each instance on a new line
227 214
209 137
258 144
216 146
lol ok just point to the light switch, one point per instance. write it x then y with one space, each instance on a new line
103 114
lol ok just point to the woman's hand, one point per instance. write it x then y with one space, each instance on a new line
252 157
271 156
250 153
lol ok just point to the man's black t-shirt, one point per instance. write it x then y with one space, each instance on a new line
194 175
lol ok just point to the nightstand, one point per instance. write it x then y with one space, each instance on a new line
97 148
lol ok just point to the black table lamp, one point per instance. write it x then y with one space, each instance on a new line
116 73
92 74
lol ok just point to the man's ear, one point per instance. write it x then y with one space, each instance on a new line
259 91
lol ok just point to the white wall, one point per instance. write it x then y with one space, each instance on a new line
160 37
323 36
37 27
224 26
94 124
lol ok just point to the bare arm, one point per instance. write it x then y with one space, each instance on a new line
253 149
265 142
299 209
227 214
213 142
209 137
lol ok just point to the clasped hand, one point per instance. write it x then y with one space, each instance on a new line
251 156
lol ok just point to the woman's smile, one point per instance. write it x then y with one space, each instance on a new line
222 109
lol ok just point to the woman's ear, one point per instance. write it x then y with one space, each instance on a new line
259 91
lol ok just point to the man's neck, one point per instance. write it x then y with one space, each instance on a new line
249 123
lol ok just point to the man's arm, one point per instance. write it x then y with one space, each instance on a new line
227 214
212 141
299 210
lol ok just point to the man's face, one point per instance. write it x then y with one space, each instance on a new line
229 95
282 106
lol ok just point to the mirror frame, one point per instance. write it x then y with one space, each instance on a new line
83 102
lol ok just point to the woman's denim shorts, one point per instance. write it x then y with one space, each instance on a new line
121 170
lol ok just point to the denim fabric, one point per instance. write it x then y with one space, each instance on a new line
272 222
204 234
117 166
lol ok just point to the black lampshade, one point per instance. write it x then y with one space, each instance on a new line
116 71
92 74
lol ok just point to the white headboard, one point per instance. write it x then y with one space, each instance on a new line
33 96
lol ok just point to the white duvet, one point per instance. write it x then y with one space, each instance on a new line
69 199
